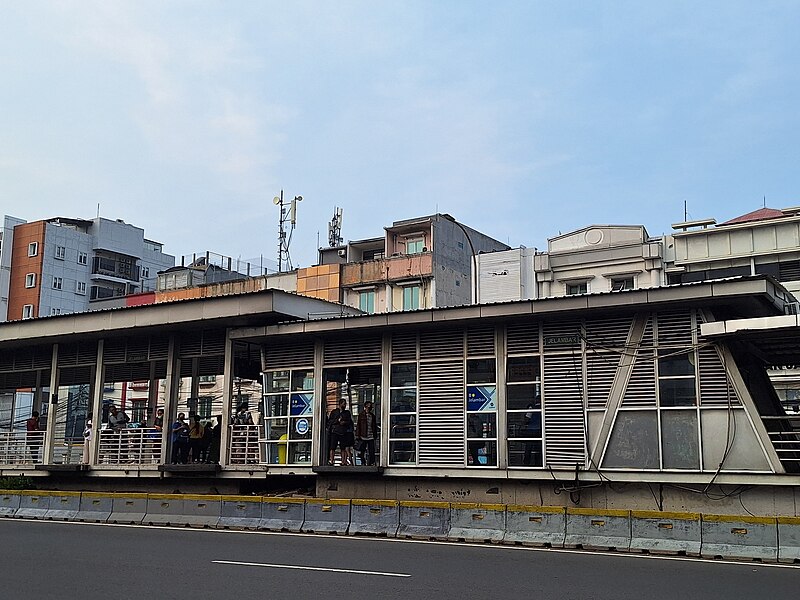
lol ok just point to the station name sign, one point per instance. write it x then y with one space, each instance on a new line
551 341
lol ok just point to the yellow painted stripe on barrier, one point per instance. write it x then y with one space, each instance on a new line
362 502
740 519
789 520
654 514
165 496
333 501
274 500
34 493
96 495
202 497
240 498
596 512
136 496
526 508
477 506
423 504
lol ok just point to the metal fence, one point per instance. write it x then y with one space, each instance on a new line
21 447
245 448
139 445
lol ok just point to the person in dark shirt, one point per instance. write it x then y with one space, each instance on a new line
340 425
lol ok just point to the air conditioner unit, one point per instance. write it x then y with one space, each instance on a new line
342 253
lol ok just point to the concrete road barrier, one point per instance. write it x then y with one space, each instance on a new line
665 532
240 512
64 506
535 525
424 520
327 516
128 508
201 510
94 507
607 529
9 503
33 505
477 522
789 539
282 514
730 536
374 517
164 509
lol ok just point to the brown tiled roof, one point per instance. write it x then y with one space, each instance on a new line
762 214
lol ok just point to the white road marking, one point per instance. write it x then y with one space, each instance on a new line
305 568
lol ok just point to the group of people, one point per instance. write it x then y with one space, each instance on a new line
195 441
345 435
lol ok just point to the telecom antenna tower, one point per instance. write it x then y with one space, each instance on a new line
288 215
335 228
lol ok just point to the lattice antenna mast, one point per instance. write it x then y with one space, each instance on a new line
287 220
335 229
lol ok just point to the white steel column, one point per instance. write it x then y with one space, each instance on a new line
47 456
97 403
318 428
227 396
170 395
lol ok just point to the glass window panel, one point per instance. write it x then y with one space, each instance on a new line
671 364
402 452
525 424
482 453
273 452
277 381
303 380
300 428
677 392
403 426
299 452
520 397
404 375
277 405
481 425
481 371
525 454
679 439
523 368
403 400
275 428
634 441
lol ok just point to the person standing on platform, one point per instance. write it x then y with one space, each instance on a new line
366 433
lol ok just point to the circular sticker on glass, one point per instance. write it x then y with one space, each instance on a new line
301 426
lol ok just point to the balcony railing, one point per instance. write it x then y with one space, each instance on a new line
244 445
114 268
21 447
139 445
403 266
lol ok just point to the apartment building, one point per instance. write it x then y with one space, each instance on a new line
61 266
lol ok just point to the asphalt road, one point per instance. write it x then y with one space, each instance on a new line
41 560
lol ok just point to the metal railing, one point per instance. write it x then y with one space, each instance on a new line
245 448
136 445
21 447
786 440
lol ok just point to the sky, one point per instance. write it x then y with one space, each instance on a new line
521 119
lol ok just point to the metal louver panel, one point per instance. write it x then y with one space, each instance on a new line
404 346
191 344
348 351
211 365
6 361
128 372
87 353
674 328
522 339
43 357
715 387
137 349
601 368
608 333
20 379
441 413
114 350
213 342
641 388
480 341
186 367
23 359
160 369
648 337
441 344
284 355
561 328
74 376
565 442
159 348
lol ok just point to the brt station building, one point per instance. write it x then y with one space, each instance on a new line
655 398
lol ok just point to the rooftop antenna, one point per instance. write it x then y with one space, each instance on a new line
288 216
685 212
335 228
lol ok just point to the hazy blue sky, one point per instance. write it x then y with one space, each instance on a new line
521 119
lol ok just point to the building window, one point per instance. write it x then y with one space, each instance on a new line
55 311
403 414
288 406
58 282
83 258
366 301
414 245
33 249
61 252
622 283
481 396
573 289
145 272
524 411
27 311
30 280
676 377
80 288
411 297
207 379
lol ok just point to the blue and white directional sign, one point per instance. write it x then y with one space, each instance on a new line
481 398
301 405
301 426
